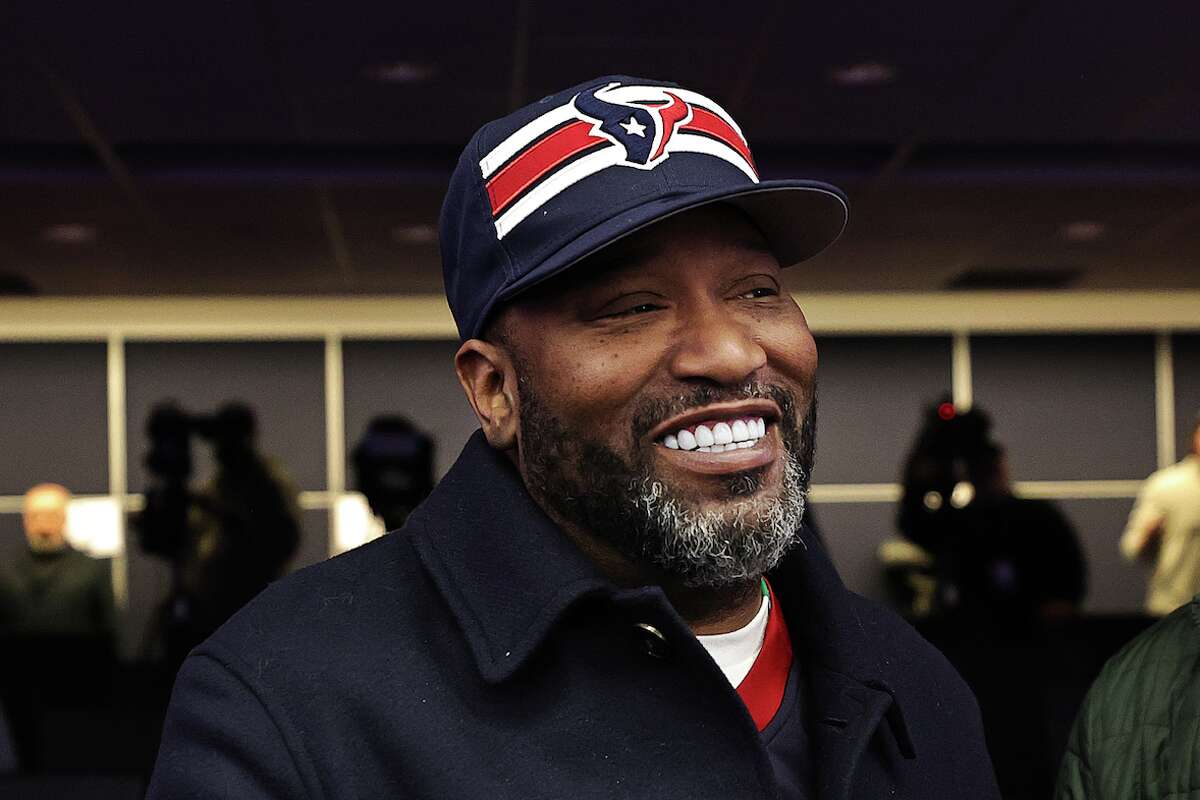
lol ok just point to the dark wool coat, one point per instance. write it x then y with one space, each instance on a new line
477 653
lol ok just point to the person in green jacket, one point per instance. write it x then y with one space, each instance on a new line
1138 732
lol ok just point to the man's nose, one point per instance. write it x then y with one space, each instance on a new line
718 347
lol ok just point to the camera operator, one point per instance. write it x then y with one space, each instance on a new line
1001 561
1008 572
226 542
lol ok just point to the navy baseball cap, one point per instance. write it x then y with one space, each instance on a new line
548 185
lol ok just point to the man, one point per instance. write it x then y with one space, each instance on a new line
225 542
1136 733
1164 527
52 589
579 609
1005 563
57 626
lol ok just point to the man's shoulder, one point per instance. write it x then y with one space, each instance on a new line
1167 478
1162 648
937 706
903 656
1136 685
329 608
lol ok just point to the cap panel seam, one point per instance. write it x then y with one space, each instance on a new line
585 225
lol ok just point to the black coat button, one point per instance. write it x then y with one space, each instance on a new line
652 641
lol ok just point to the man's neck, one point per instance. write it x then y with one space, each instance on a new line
709 610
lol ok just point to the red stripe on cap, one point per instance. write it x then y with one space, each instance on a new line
763 687
706 121
535 162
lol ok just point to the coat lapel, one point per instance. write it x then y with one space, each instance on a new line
505 570
850 695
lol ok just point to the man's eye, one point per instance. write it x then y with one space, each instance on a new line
640 308
761 291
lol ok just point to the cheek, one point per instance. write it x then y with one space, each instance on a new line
596 384
793 354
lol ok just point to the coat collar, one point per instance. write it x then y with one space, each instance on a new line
509 574
502 565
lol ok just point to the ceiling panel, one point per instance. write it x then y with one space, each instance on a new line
265 157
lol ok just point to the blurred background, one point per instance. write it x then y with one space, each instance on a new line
223 217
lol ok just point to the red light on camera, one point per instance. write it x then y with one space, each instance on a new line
946 411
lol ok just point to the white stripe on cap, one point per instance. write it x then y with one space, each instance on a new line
523 136
692 143
547 189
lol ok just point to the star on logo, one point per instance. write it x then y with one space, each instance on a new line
634 128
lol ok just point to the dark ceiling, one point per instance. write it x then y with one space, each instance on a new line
272 147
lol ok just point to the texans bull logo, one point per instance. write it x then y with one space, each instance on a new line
605 127
642 127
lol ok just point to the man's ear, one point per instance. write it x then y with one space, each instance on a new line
489 380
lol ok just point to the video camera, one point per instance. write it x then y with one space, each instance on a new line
171 428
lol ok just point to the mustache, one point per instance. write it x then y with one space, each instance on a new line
652 411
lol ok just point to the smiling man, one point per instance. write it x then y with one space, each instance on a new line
611 593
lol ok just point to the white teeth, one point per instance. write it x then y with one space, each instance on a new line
722 434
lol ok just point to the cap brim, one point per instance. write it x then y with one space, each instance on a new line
798 219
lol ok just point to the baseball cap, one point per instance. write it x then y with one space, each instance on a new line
560 179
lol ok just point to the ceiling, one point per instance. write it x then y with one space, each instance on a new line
302 148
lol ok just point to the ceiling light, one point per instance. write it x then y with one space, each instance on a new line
414 234
867 73
1082 231
400 72
69 233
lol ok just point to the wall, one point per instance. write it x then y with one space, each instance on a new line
1083 414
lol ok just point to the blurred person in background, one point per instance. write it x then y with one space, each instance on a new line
57 629
1136 735
393 468
1005 571
1000 561
1164 528
225 542
52 589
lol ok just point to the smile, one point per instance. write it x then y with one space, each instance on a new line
718 436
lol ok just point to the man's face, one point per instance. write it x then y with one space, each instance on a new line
45 517
623 359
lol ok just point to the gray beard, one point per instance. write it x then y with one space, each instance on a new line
717 548
622 502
